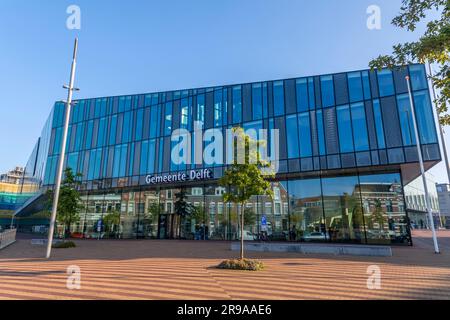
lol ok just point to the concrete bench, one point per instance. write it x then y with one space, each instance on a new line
42 242
319 248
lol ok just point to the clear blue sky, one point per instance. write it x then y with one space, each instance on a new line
143 46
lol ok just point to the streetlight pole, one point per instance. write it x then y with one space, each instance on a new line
441 131
422 168
70 90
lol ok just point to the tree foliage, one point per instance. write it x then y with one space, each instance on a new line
433 46
69 204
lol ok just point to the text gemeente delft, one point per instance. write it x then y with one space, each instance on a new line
193 175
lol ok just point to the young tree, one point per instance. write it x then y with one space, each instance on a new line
111 221
433 46
69 204
247 179
182 208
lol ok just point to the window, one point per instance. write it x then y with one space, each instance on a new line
89 134
345 129
167 119
378 118
359 127
418 77
154 122
366 85
265 102
123 160
302 95
406 120
224 106
311 93
278 98
218 108
425 121
355 87
139 122
151 157
384 210
200 108
116 165
343 210
257 101
126 128
385 83
292 136
327 91
184 121
304 135
121 104
237 104
305 210
144 157
320 132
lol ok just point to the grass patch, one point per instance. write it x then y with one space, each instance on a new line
238 264
64 245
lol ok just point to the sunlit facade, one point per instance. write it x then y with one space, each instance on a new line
346 147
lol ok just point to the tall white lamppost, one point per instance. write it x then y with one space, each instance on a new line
59 174
422 168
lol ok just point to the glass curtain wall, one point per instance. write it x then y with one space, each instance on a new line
351 209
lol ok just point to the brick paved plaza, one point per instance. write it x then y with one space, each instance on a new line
185 270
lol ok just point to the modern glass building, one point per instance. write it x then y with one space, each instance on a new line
347 149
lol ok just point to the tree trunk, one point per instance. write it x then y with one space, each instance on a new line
242 231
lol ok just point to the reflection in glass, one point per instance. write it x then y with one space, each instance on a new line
327 91
425 121
385 83
343 212
355 87
278 98
345 128
406 120
359 127
379 124
418 77
383 204
305 211
302 95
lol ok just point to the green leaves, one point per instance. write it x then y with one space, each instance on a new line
246 180
69 204
433 46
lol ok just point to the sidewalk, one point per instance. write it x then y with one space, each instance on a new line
185 270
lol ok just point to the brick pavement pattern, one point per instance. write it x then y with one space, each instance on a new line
140 269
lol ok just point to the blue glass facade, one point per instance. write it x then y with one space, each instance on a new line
345 124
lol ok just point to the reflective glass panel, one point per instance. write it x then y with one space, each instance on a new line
302 95
327 91
385 83
343 211
359 127
418 77
292 136
237 104
345 129
278 98
406 120
379 124
355 87
307 222
425 120
384 208
305 135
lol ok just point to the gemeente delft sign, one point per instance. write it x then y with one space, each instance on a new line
192 175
